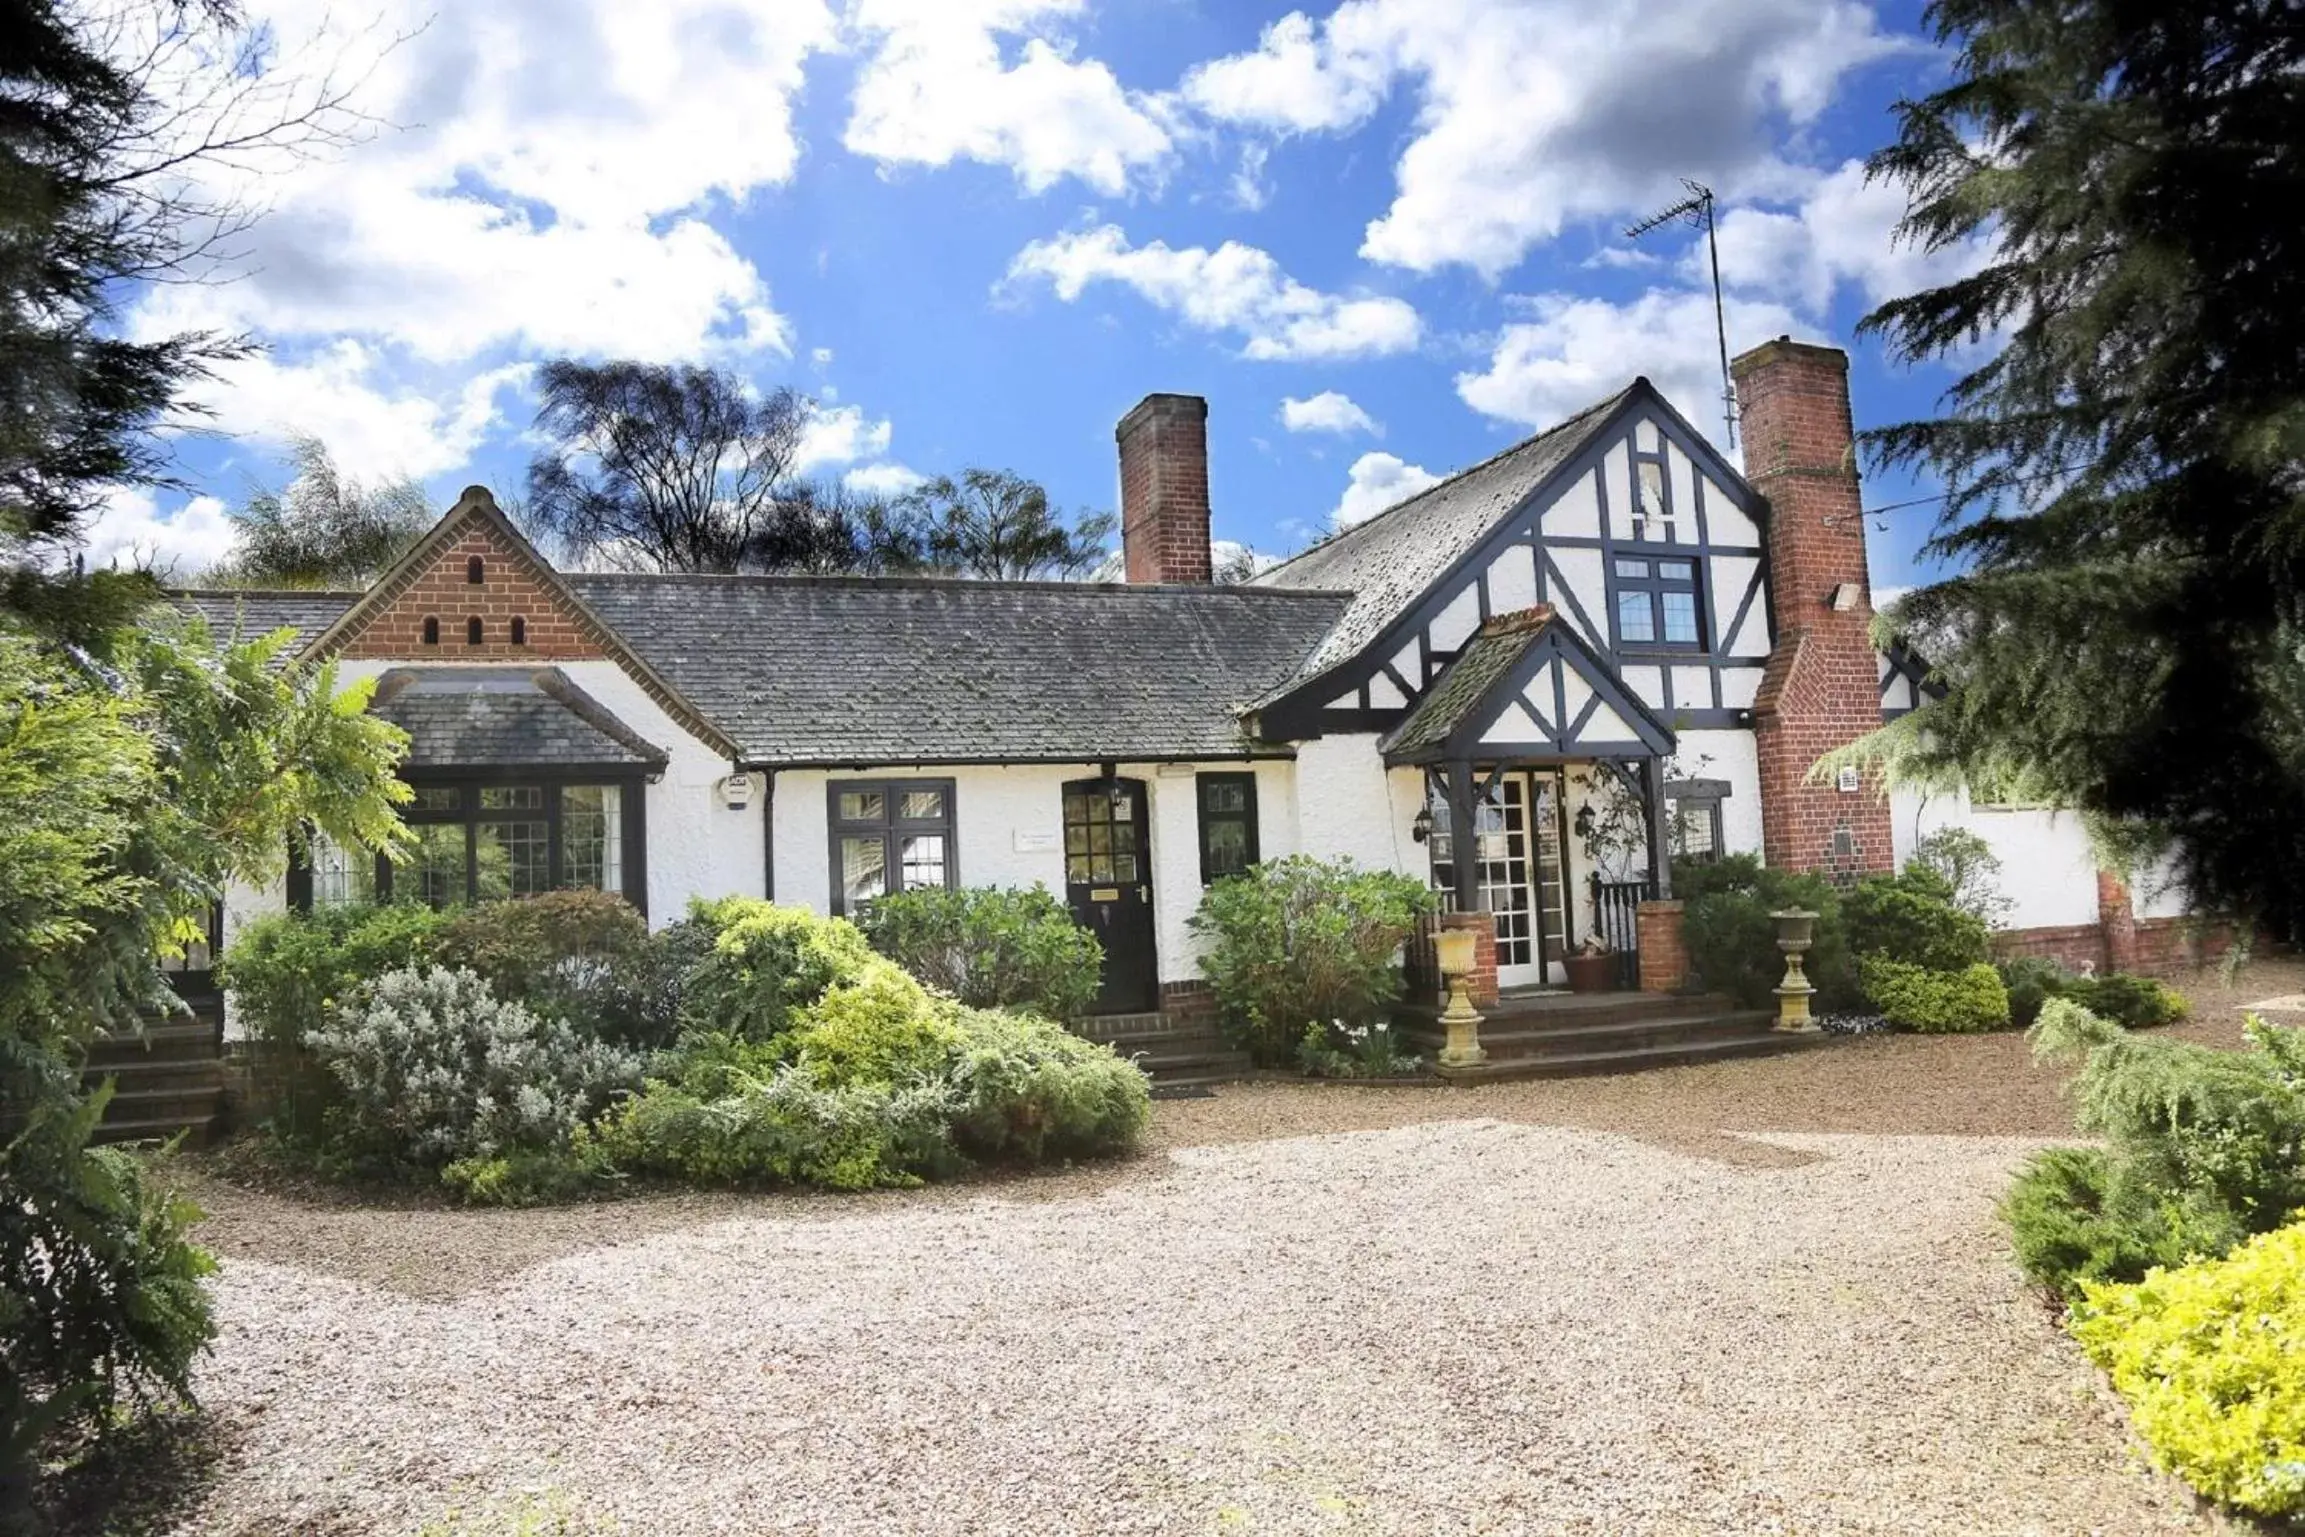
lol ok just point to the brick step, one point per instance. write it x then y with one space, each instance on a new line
186 1106
1655 1031
198 1131
190 1041
158 1073
1759 1043
1558 1010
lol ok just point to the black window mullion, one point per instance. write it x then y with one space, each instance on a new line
552 872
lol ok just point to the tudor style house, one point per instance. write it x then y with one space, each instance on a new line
1530 684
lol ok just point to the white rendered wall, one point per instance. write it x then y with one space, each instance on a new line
2048 872
1736 757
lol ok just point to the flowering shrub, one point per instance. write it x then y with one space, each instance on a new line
1295 941
1341 1050
435 1069
2211 1357
991 947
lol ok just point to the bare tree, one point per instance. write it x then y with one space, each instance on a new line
995 524
323 529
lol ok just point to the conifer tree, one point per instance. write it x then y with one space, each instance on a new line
2126 467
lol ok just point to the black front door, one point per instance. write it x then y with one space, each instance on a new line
1108 882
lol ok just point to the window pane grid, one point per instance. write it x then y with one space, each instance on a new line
900 832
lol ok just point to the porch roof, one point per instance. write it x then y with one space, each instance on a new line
1527 688
507 717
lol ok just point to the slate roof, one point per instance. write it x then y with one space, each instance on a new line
1388 562
478 717
840 671
251 612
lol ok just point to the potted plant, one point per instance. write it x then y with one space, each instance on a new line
1592 967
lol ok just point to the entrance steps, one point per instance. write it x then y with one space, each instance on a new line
1559 1035
168 1080
1176 1055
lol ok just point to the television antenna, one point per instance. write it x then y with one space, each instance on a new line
1697 211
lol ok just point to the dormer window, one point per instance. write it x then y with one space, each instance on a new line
475 571
431 631
1657 602
475 631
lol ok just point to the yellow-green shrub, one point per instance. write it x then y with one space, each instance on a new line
2211 1358
1936 1002
767 963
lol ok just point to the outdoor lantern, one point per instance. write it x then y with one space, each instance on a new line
1422 828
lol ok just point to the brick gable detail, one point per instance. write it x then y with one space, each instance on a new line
510 588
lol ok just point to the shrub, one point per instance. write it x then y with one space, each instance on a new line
2032 981
1026 1088
582 956
783 1126
437 1069
2073 1218
1936 1002
1732 940
1298 940
1969 870
2140 1003
992 947
1339 1050
767 962
1911 918
882 1027
2211 1357
285 970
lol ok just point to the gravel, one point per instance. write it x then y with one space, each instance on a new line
1757 1297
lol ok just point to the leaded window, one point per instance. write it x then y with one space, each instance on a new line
486 840
1657 601
1228 824
890 835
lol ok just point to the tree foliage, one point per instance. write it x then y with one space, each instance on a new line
998 525
324 528
2126 469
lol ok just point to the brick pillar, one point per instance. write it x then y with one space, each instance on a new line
2118 920
1164 489
1664 955
1821 689
1481 985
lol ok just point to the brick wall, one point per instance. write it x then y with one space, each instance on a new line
1190 1005
1821 689
442 589
1664 957
2076 947
1481 981
1164 489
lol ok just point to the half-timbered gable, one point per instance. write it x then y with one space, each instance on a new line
1622 521
1905 681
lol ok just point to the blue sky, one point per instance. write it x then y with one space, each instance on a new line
977 231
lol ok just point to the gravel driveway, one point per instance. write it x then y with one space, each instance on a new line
1758 1297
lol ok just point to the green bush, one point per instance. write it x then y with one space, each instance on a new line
766 963
583 956
2032 981
882 1027
1732 940
436 1069
283 971
1355 1051
1911 918
2211 1357
2139 1003
781 1126
1026 1088
1969 870
1300 941
1936 1002
992 947
2202 1149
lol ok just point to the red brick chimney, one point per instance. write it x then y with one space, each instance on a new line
1164 489
1822 687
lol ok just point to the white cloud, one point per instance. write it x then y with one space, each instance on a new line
1844 231
1329 411
936 88
888 479
131 531
1533 114
1378 481
375 431
1234 288
1568 353
839 436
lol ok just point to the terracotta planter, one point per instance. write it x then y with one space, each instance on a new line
1591 973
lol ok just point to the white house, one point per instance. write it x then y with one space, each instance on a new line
1606 616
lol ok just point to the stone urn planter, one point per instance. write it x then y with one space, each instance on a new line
1591 971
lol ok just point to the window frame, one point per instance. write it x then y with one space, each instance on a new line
630 784
1710 791
1653 584
1203 818
890 827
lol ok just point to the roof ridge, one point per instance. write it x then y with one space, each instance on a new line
1342 534
948 583
262 592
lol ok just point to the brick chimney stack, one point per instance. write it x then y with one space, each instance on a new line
1164 489
1822 687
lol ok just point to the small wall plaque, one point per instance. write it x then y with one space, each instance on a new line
1847 781
1041 840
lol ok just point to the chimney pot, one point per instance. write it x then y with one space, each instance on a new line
1164 489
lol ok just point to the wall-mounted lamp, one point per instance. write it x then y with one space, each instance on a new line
1845 596
1422 828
